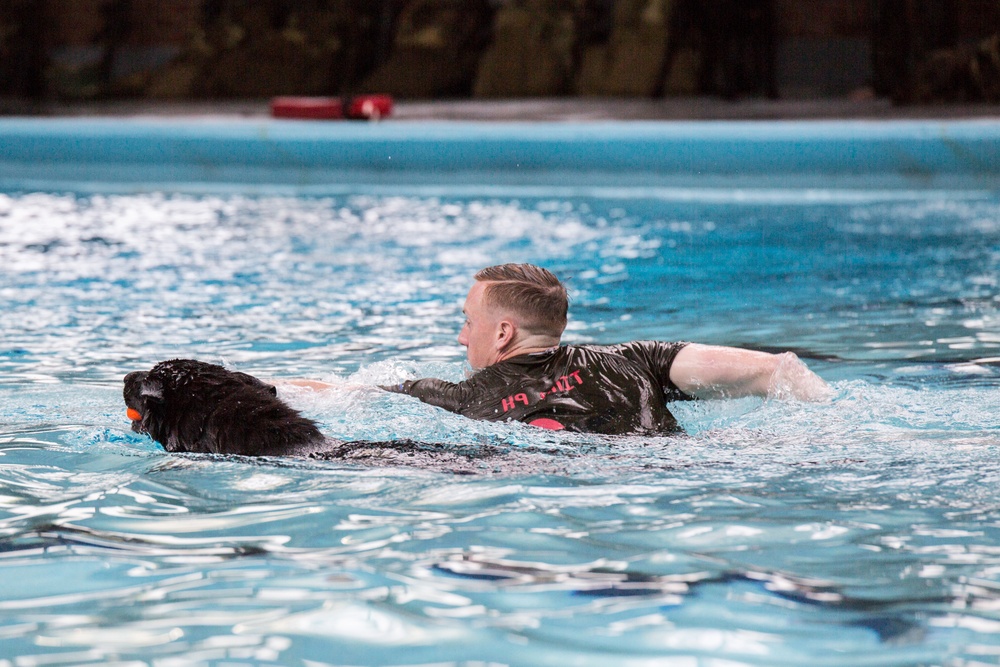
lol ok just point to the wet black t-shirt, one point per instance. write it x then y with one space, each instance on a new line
610 389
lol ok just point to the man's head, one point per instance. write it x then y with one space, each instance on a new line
512 309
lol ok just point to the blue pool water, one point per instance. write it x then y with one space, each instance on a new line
859 532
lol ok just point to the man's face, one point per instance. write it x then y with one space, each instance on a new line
480 333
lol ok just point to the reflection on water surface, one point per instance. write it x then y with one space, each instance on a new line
856 532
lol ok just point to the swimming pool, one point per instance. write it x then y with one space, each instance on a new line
860 532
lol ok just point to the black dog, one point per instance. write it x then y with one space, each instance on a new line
193 406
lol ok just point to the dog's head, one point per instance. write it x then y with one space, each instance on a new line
189 405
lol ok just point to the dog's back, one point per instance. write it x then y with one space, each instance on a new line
193 406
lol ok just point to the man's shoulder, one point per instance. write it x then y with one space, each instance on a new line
631 348
654 355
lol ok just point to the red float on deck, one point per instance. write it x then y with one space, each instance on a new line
362 107
317 108
370 107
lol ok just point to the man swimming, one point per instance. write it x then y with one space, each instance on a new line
515 315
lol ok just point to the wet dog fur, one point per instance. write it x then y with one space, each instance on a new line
193 406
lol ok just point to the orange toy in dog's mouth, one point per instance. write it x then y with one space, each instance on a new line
133 414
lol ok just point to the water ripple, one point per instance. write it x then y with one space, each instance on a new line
862 531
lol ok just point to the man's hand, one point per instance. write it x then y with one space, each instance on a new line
709 371
316 385
308 384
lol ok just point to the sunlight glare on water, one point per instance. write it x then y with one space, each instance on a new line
860 531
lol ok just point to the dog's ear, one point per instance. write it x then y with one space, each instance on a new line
255 382
151 389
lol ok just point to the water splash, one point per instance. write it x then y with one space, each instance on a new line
859 531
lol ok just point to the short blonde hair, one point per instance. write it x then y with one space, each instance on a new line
530 292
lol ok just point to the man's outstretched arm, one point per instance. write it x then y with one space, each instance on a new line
306 384
710 371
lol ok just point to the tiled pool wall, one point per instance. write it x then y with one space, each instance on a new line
47 152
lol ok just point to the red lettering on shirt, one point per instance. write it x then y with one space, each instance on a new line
508 403
563 384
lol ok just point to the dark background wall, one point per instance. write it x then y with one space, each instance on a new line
910 50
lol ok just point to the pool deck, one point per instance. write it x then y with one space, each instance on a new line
546 109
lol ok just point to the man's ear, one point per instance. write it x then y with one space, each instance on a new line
506 332
151 388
